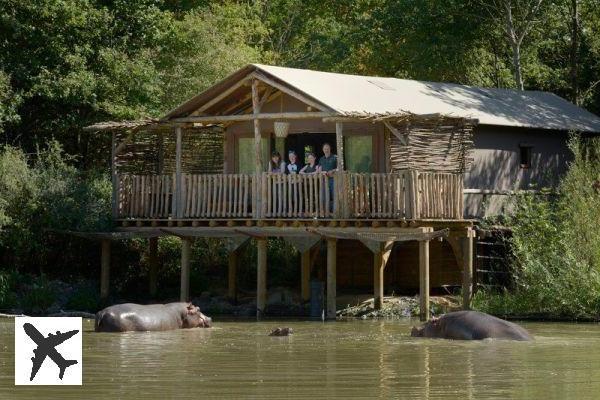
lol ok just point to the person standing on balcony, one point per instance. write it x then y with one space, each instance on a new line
292 167
328 165
311 167
276 165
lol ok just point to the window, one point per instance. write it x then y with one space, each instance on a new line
245 155
525 155
358 153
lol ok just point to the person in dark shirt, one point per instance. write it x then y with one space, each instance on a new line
312 166
328 163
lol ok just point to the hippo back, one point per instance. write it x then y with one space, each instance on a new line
474 325
137 317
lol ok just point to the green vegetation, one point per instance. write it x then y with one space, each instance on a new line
66 64
556 246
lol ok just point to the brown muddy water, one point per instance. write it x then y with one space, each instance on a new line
344 359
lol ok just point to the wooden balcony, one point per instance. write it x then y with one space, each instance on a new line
404 195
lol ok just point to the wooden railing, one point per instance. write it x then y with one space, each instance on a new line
399 195
297 196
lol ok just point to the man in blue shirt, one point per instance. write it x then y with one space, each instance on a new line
328 165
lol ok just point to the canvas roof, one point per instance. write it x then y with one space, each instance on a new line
351 94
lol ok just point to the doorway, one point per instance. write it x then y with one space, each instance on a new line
305 143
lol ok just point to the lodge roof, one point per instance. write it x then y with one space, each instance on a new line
355 95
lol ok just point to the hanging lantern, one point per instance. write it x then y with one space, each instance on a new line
281 129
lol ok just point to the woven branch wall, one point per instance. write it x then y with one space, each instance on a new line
153 151
438 146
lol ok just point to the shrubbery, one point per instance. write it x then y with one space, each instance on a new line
556 246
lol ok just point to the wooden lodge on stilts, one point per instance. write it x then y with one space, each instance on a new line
201 171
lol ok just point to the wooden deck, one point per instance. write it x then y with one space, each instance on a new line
404 195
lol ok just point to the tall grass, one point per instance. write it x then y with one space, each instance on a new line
556 246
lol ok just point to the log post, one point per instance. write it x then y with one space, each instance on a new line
331 277
381 255
261 276
305 275
339 144
186 249
424 280
467 258
258 162
378 281
153 265
178 182
105 269
114 177
232 275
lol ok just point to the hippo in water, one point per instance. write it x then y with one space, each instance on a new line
281 332
470 325
153 317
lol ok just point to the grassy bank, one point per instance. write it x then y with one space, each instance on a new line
555 246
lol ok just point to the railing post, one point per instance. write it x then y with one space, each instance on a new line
414 194
258 166
178 206
114 177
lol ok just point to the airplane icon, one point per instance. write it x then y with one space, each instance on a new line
46 347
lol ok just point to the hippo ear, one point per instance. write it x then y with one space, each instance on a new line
191 309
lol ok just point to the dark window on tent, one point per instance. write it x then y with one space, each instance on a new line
525 155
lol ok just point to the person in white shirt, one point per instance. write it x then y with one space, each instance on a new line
292 167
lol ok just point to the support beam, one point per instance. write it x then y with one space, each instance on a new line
339 140
261 277
305 275
249 117
105 269
222 95
232 275
288 91
467 258
258 162
331 277
186 250
114 177
153 265
178 185
380 259
424 280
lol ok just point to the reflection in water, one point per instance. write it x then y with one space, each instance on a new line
374 359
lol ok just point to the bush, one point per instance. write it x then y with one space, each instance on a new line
8 297
556 245
44 192
38 297
84 298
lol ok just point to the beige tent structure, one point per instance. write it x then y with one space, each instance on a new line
403 148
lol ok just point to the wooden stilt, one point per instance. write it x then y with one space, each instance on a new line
186 249
331 277
424 280
467 284
261 278
378 281
152 265
305 275
381 255
105 269
232 275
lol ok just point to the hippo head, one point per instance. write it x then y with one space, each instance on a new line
193 318
431 328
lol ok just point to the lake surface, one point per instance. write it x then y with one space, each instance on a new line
344 359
